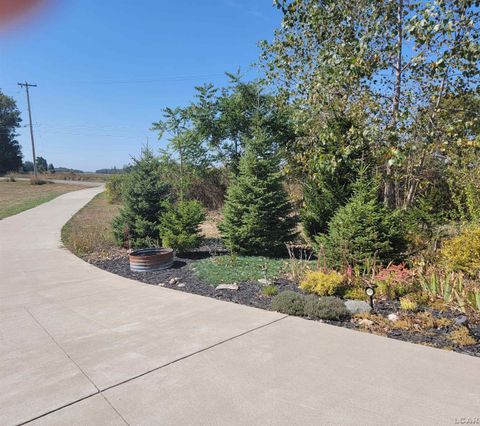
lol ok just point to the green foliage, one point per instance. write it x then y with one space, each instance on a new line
326 308
270 290
362 229
462 253
228 118
355 293
143 204
289 303
216 127
10 150
187 153
258 216
466 195
332 166
441 285
320 205
180 225
114 188
231 269
338 59
412 302
452 289
323 283
27 167
42 165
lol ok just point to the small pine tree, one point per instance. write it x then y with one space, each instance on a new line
320 205
362 229
180 226
257 214
143 196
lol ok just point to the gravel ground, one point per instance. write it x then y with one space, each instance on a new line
182 277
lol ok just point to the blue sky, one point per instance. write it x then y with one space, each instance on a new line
105 69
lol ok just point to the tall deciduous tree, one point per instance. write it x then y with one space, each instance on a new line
397 59
186 152
10 151
216 126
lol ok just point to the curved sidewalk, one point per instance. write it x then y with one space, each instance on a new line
80 346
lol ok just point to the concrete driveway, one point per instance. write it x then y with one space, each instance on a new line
80 346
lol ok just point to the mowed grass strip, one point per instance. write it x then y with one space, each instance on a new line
88 233
16 197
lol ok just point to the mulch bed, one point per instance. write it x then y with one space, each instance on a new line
248 293
182 277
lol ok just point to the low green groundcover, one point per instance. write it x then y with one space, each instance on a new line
230 269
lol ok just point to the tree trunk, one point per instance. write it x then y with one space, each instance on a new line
389 195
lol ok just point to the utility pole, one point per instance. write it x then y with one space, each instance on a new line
27 85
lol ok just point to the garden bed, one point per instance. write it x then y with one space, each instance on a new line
431 327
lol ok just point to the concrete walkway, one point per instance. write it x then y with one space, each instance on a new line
80 346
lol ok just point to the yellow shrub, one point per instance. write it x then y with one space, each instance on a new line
408 304
413 301
323 283
356 293
462 337
462 253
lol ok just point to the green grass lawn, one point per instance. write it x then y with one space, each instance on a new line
230 269
15 197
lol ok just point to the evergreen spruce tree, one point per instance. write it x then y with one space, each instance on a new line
362 229
180 225
143 198
257 214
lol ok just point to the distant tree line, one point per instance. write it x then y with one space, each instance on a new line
42 166
10 150
114 170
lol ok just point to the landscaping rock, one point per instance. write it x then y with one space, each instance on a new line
180 285
357 306
461 320
173 281
264 281
227 287
393 317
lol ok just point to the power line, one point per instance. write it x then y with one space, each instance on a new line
166 79
27 85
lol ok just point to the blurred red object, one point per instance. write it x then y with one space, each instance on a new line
12 10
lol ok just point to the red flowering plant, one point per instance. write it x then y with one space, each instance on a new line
394 281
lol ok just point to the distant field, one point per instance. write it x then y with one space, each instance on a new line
86 177
15 197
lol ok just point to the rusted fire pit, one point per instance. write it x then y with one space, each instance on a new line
151 259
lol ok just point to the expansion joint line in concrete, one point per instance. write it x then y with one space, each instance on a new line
100 391
81 370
